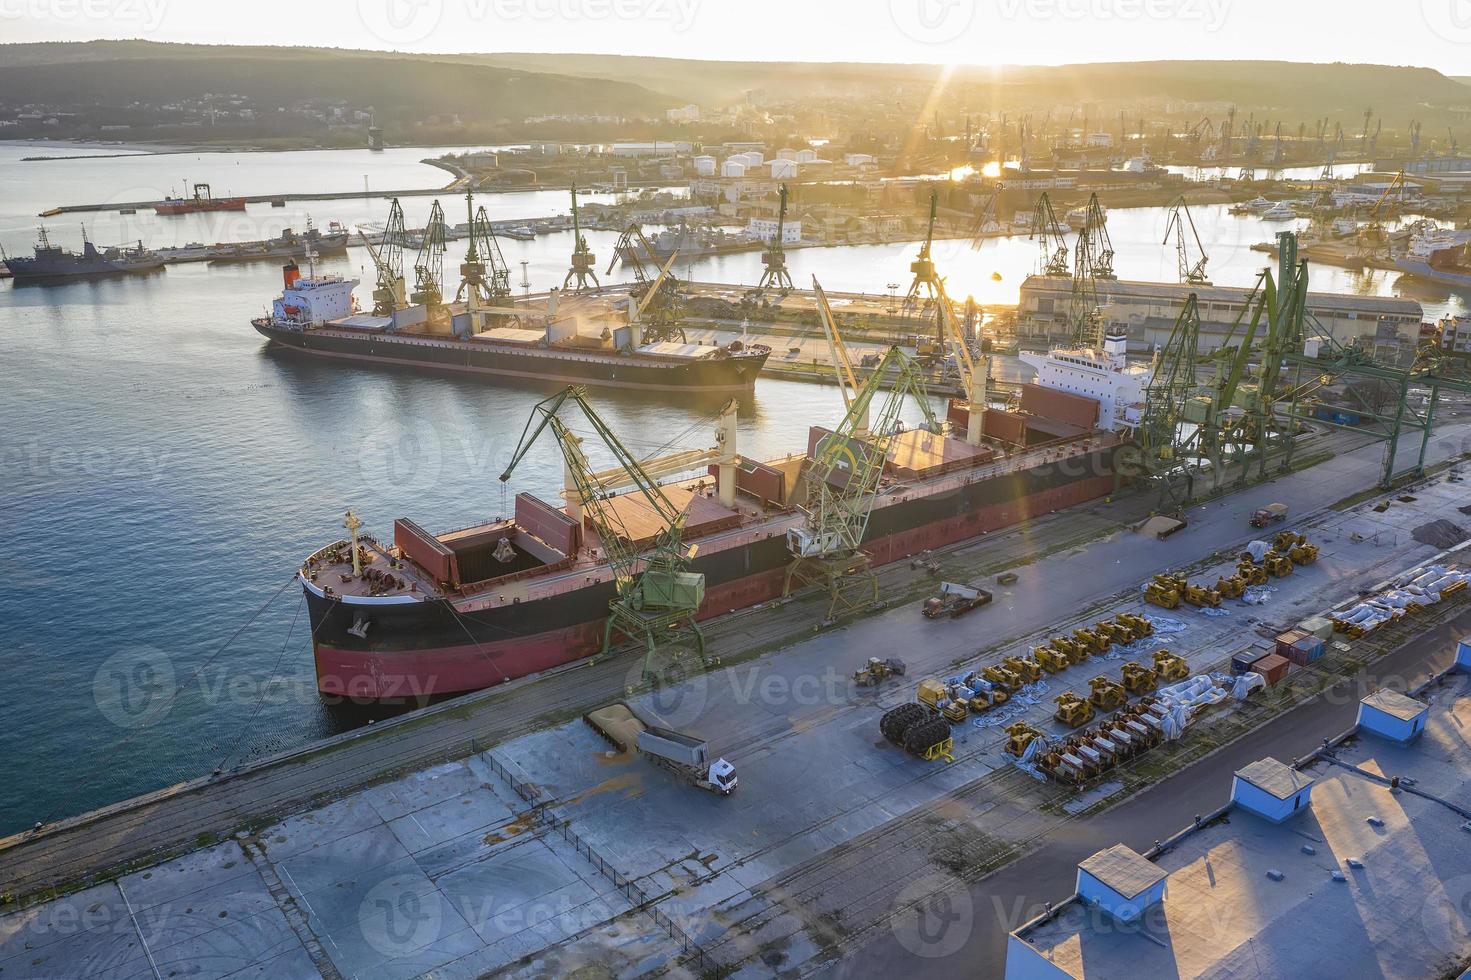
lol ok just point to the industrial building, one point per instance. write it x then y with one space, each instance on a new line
1355 864
1147 312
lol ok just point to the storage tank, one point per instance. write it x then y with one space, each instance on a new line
733 168
786 154
783 169
705 166
806 156
753 158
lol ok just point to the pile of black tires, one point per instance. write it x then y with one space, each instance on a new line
914 727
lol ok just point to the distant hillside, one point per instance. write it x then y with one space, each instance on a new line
512 86
397 86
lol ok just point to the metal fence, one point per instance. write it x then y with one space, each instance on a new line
626 886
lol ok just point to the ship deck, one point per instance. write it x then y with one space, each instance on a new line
710 525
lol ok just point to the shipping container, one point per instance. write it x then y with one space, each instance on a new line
1241 662
1272 667
1063 406
1319 626
1286 640
1307 650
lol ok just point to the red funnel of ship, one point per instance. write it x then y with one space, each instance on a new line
290 273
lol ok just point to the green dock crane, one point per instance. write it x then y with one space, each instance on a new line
836 488
656 597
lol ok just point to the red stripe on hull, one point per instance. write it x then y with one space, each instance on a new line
471 667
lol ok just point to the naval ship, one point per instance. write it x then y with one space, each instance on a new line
54 264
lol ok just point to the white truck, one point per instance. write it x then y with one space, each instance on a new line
684 754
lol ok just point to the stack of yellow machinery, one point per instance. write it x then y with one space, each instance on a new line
1250 572
1107 694
1140 626
1276 564
1161 591
1002 677
1028 670
1091 641
1199 595
1072 710
1139 679
1233 587
934 694
1169 667
1296 547
1018 736
1052 657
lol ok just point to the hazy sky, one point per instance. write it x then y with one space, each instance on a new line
1432 33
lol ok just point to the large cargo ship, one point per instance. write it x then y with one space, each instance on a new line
54 264
424 614
316 315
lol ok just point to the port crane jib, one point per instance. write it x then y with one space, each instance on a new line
837 487
389 295
656 597
583 268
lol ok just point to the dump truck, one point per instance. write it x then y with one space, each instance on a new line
955 600
1270 514
683 754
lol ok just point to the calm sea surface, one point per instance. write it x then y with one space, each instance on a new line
162 472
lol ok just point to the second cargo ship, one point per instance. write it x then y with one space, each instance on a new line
427 613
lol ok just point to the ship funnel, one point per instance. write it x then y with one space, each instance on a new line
290 272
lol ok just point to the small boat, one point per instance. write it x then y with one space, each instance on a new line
1281 211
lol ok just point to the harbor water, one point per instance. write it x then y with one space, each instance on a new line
164 471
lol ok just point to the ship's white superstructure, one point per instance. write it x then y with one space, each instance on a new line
1103 374
312 300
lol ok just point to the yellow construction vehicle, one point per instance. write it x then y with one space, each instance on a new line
1285 541
1140 626
1303 554
1231 588
1113 632
1277 565
1072 710
936 695
878 669
1106 693
1002 677
1199 595
1018 736
1091 641
1052 658
1028 670
1252 573
1169 667
979 702
1139 679
1160 595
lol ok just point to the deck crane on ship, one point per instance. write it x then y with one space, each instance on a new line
656 596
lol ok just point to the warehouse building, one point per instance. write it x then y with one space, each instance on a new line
1147 312
1356 869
